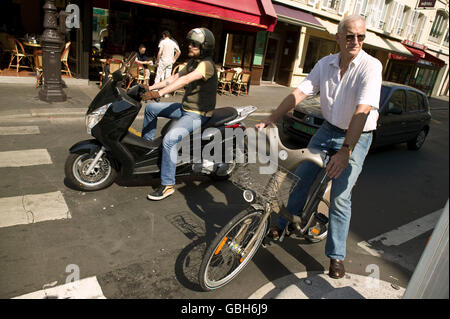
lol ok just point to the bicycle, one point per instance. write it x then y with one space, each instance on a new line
236 244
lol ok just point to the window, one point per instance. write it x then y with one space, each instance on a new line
393 11
412 24
335 5
439 26
374 13
400 19
445 43
415 101
398 100
360 7
317 49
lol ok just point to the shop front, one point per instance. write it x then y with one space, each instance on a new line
239 28
420 71
283 55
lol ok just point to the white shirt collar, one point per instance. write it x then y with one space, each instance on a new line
335 60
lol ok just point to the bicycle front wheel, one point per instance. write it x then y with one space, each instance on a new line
224 258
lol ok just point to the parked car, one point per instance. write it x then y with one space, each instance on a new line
404 116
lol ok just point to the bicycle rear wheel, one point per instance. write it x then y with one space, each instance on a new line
223 259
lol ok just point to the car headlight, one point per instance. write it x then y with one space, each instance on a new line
93 118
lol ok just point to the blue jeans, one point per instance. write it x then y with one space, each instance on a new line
187 123
329 138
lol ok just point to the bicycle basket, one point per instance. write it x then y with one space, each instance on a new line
273 188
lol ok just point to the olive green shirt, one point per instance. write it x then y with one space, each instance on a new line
200 95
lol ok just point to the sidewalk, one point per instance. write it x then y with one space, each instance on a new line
318 285
21 100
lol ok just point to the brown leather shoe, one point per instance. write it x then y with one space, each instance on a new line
337 269
274 233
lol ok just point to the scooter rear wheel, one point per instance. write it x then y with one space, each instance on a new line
102 176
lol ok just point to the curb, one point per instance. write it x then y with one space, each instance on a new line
32 80
318 285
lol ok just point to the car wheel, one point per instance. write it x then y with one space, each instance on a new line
418 141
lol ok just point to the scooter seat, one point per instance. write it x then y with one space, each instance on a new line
221 116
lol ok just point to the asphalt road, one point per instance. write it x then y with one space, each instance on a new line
141 249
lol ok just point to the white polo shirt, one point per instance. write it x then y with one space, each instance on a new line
361 84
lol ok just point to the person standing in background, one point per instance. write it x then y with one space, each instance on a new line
167 55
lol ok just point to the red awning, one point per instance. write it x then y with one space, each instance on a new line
430 57
419 56
258 14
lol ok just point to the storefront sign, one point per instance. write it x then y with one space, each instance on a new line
73 16
414 45
426 3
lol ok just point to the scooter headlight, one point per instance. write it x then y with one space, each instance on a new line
93 118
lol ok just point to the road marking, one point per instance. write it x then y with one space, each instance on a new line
24 158
87 288
402 234
19 130
29 209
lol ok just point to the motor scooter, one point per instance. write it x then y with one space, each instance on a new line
114 151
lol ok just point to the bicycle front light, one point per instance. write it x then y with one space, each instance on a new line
93 118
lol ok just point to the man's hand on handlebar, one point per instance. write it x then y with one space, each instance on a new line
263 124
151 95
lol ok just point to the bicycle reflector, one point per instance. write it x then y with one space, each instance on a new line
249 195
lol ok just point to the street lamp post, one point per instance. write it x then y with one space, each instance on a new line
52 42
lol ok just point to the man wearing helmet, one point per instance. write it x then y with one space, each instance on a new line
199 77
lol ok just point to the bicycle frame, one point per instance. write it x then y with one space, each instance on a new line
293 158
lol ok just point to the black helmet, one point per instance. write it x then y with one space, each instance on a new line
204 38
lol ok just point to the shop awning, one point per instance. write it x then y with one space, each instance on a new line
258 14
372 39
419 56
297 17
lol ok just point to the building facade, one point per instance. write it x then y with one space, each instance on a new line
409 37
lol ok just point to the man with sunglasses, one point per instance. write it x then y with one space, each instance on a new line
199 77
349 83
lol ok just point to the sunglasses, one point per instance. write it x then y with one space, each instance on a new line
194 44
351 37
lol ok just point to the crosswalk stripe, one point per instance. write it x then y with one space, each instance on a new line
87 288
402 234
35 208
25 158
19 130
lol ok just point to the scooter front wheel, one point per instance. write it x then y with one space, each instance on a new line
102 176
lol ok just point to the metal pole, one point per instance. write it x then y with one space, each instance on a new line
430 278
51 56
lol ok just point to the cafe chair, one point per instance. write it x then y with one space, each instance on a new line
137 73
226 80
64 58
38 68
20 55
114 65
242 83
